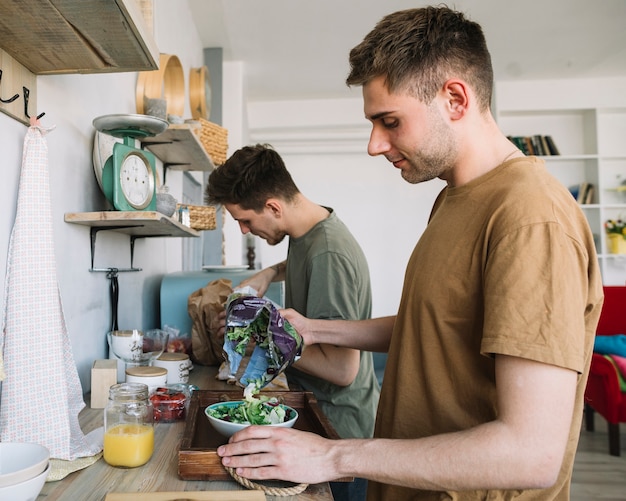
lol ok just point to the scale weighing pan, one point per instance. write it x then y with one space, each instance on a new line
133 125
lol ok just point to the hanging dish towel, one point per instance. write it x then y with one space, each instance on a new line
41 392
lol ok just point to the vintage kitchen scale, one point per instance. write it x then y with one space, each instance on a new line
128 177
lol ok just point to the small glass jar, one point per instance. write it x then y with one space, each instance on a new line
170 402
184 216
128 426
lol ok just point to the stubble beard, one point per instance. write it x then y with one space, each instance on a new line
426 167
420 171
437 157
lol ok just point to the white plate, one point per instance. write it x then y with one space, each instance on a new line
227 267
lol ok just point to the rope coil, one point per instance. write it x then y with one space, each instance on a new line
272 491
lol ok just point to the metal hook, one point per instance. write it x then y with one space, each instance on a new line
26 95
11 99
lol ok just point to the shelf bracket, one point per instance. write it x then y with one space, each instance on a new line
93 234
166 167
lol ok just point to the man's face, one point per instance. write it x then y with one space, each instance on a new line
264 224
410 134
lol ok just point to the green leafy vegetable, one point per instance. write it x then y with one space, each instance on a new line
241 334
252 410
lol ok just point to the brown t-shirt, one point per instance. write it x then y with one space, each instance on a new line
507 265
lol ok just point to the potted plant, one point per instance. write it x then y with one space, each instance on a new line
616 236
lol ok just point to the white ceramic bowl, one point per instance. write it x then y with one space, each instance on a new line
28 490
227 428
20 462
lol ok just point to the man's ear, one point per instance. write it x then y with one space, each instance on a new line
274 206
457 98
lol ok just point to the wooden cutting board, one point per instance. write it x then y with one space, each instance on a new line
200 496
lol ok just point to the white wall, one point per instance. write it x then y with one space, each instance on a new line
386 214
561 94
71 102
235 120
324 145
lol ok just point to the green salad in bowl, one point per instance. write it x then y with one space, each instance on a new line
230 417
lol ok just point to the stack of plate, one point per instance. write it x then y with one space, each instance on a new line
23 470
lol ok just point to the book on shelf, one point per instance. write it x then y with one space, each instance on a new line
535 145
551 146
583 192
538 145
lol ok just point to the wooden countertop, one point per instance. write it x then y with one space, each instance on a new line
160 474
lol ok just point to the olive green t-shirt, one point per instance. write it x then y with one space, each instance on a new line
507 265
327 276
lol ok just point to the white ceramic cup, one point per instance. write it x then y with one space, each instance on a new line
177 365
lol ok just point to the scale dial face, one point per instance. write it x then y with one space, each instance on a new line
137 180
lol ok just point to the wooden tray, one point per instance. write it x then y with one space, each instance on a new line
197 456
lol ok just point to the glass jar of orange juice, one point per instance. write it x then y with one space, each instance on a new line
128 426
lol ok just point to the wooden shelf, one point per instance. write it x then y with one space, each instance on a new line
179 148
78 36
137 224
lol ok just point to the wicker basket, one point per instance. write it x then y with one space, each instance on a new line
215 140
201 217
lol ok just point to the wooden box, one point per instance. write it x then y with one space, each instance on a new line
197 456
103 376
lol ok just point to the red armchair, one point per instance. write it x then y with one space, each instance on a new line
603 393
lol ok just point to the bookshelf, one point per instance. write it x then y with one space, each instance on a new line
591 138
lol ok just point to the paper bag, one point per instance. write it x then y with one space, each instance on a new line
204 306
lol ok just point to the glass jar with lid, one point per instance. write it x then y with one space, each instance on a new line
128 426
